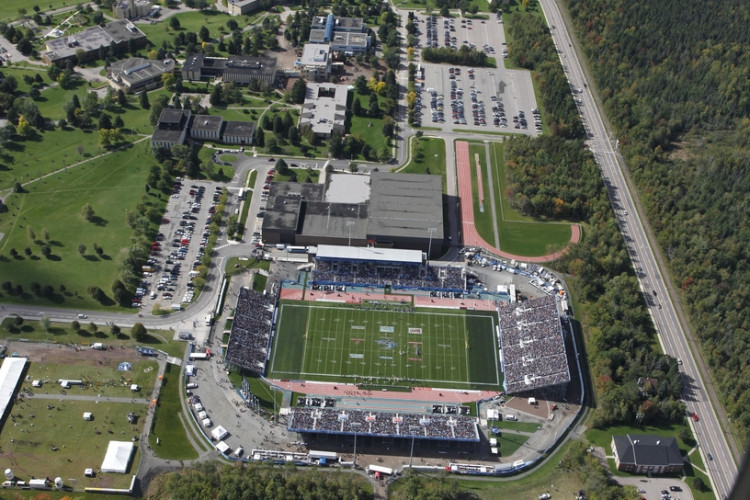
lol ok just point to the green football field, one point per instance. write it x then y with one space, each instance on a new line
431 348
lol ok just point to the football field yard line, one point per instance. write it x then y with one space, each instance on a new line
304 348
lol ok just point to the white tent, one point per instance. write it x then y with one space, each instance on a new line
219 433
118 456
222 447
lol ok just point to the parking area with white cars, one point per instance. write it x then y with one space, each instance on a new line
470 97
179 246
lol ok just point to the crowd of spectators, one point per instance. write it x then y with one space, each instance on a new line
384 424
533 346
378 274
250 337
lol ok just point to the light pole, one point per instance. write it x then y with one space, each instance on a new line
430 230
349 224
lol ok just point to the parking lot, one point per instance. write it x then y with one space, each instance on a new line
176 252
474 98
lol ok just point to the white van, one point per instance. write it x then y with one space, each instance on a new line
238 452
191 385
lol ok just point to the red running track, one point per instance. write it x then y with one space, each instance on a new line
471 237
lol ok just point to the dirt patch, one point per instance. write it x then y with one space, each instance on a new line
58 353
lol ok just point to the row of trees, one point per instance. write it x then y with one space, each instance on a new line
230 482
532 48
464 56
683 131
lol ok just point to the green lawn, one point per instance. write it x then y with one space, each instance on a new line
63 333
529 427
370 129
482 5
442 349
9 8
111 184
50 438
482 207
173 441
518 234
427 157
302 175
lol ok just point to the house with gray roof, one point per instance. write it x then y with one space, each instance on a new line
647 454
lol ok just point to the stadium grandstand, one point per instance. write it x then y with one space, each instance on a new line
331 421
250 337
381 267
533 347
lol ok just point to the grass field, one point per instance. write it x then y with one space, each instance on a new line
111 184
370 129
427 156
48 437
9 8
452 349
173 442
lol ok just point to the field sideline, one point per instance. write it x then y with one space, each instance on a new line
387 346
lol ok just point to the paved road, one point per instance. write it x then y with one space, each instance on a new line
664 309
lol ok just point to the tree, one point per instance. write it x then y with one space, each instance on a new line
143 98
260 137
105 121
216 98
360 84
139 332
278 125
46 251
24 128
298 91
698 483
87 212
204 34
294 136
356 106
174 23
93 328
81 249
384 154
281 167
75 325
115 330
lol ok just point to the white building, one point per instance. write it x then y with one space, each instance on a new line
325 108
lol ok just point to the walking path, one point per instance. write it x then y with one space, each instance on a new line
470 235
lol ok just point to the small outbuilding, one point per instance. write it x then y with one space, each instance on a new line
87 415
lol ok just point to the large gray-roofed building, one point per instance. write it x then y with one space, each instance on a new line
234 69
533 345
89 40
171 129
136 73
404 206
303 214
325 108
315 62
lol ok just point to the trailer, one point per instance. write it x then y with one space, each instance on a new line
377 469
198 355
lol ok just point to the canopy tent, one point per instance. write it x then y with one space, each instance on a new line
222 447
124 366
118 456
219 433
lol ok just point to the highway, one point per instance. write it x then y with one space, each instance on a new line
715 450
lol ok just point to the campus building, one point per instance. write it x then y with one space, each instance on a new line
241 7
646 454
315 64
176 125
234 69
131 9
343 34
380 210
117 34
325 108
136 73
171 129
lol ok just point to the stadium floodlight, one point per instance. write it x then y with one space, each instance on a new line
349 224
430 230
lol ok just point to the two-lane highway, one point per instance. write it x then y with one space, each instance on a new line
716 452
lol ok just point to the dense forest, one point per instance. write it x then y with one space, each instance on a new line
673 76
554 172
235 482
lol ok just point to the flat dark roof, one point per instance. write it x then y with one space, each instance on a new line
239 128
406 205
207 122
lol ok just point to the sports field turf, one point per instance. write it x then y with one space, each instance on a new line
433 348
